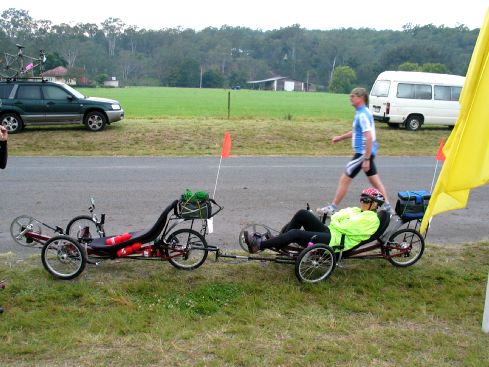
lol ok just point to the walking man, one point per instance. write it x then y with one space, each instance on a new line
365 148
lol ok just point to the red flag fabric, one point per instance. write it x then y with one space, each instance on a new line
439 155
226 145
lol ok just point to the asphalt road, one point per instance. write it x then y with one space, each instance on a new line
133 192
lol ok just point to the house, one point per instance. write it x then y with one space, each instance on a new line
59 74
112 82
282 83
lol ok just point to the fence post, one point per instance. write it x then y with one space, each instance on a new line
229 104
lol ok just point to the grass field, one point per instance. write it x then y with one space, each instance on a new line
157 102
191 122
132 313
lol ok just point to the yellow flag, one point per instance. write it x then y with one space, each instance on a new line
467 148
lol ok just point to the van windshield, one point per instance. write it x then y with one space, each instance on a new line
381 88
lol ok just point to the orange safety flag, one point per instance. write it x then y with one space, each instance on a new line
467 152
226 145
439 155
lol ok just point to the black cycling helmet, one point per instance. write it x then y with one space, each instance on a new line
374 195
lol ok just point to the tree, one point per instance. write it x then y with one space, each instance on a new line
343 81
113 28
434 68
54 60
409 66
212 79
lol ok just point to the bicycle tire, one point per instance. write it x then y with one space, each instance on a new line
191 246
402 240
315 263
63 257
77 224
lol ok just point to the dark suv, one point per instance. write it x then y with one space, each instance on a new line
40 102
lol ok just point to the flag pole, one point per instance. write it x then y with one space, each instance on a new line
217 178
485 317
434 176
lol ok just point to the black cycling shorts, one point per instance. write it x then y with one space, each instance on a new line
355 165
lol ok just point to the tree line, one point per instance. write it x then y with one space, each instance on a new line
333 60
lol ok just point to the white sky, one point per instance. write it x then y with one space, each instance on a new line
259 14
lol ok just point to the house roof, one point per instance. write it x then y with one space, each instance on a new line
267 80
57 71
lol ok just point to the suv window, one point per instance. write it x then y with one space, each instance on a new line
29 92
414 91
5 90
52 92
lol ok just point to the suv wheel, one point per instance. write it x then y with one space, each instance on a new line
12 122
95 121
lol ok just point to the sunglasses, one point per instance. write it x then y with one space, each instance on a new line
366 200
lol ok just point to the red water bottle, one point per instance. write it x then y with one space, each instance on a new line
118 239
129 249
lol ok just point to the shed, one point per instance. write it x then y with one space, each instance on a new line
281 83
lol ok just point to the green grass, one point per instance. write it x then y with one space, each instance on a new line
368 313
157 102
191 122
203 137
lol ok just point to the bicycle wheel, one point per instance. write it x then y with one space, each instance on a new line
63 257
254 228
20 226
315 263
404 247
83 228
11 67
186 249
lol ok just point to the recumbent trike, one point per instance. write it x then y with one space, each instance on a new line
65 257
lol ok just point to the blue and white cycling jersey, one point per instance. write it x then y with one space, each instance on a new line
364 121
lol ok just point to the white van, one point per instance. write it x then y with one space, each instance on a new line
413 98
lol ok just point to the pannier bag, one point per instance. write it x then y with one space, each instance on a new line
412 204
195 205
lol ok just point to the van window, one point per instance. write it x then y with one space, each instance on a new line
447 93
381 88
414 91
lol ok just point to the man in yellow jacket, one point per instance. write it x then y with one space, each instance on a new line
357 224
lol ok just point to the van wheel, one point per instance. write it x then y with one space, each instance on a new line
414 122
393 125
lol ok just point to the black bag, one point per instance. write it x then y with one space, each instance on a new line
412 204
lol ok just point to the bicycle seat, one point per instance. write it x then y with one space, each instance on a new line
140 236
384 218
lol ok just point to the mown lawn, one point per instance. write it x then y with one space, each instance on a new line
157 102
132 313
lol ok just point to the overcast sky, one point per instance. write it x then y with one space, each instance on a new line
259 14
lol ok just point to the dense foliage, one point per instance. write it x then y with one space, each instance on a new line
230 56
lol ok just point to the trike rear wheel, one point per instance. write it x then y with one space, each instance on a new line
315 263
21 226
186 249
63 257
404 247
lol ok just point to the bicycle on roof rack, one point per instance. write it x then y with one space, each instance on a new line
20 65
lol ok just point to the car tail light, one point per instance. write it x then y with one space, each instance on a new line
388 108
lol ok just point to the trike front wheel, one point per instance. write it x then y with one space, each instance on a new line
315 263
404 247
83 228
63 257
186 249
